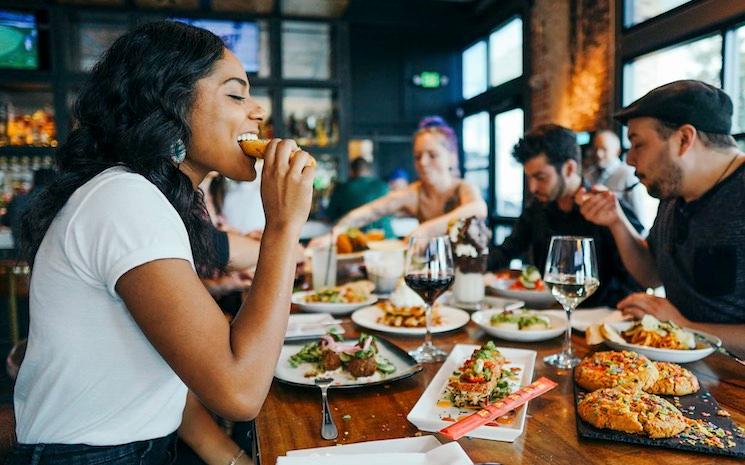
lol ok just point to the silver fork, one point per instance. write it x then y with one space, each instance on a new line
328 428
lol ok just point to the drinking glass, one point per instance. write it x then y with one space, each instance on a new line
429 272
572 275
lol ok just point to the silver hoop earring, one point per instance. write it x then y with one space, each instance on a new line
178 151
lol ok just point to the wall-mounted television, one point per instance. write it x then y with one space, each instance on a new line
241 37
19 40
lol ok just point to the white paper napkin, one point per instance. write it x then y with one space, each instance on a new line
448 454
307 325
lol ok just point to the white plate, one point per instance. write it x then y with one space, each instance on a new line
488 303
558 327
582 318
427 448
298 299
427 415
305 325
541 299
706 342
452 318
405 367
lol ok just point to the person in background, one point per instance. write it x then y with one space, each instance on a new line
242 207
611 172
19 203
121 328
361 188
439 196
398 180
551 160
683 152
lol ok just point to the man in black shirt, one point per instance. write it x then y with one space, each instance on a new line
684 155
551 160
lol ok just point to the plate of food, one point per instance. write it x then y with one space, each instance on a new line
409 321
366 361
338 300
403 313
528 287
520 325
352 243
487 303
470 377
624 396
663 341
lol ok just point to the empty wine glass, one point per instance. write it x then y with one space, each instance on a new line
572 275
429 272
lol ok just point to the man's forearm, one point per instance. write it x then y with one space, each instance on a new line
732 335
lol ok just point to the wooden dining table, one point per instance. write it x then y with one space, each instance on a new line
291 416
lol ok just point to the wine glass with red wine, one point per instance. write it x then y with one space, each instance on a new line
429 272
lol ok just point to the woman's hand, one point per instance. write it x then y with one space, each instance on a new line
286 185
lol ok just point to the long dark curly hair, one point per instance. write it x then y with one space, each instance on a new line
132 109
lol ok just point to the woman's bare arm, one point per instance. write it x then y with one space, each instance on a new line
384 206
229 367
202 433
471 204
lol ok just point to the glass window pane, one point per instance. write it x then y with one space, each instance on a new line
306 50
642 10
310 116
94 38
506 53
699 59
263 98
508 128
736 88
476 141
501 233
474 70
480 180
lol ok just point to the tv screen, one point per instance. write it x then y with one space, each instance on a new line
241 37
19 41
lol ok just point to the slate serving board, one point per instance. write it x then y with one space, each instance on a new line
698 406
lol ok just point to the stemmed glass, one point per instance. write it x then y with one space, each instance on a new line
429 272
572 275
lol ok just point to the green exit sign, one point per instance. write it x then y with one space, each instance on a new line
430 80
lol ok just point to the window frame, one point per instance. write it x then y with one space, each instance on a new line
509 95
684 23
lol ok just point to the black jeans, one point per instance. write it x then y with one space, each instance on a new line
159 451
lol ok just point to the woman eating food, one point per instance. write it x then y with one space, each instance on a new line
120 325
439 196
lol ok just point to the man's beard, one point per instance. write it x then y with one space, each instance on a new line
667 186
559 189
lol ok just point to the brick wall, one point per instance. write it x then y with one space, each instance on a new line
572 63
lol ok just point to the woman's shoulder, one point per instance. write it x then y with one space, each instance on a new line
116 189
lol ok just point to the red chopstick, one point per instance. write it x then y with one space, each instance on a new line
493 411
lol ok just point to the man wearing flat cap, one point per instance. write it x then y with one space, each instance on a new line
683 153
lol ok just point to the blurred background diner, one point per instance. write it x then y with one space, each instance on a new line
412 108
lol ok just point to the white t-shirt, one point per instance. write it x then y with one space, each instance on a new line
90 375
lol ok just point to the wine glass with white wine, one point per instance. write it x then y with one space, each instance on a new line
572 275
